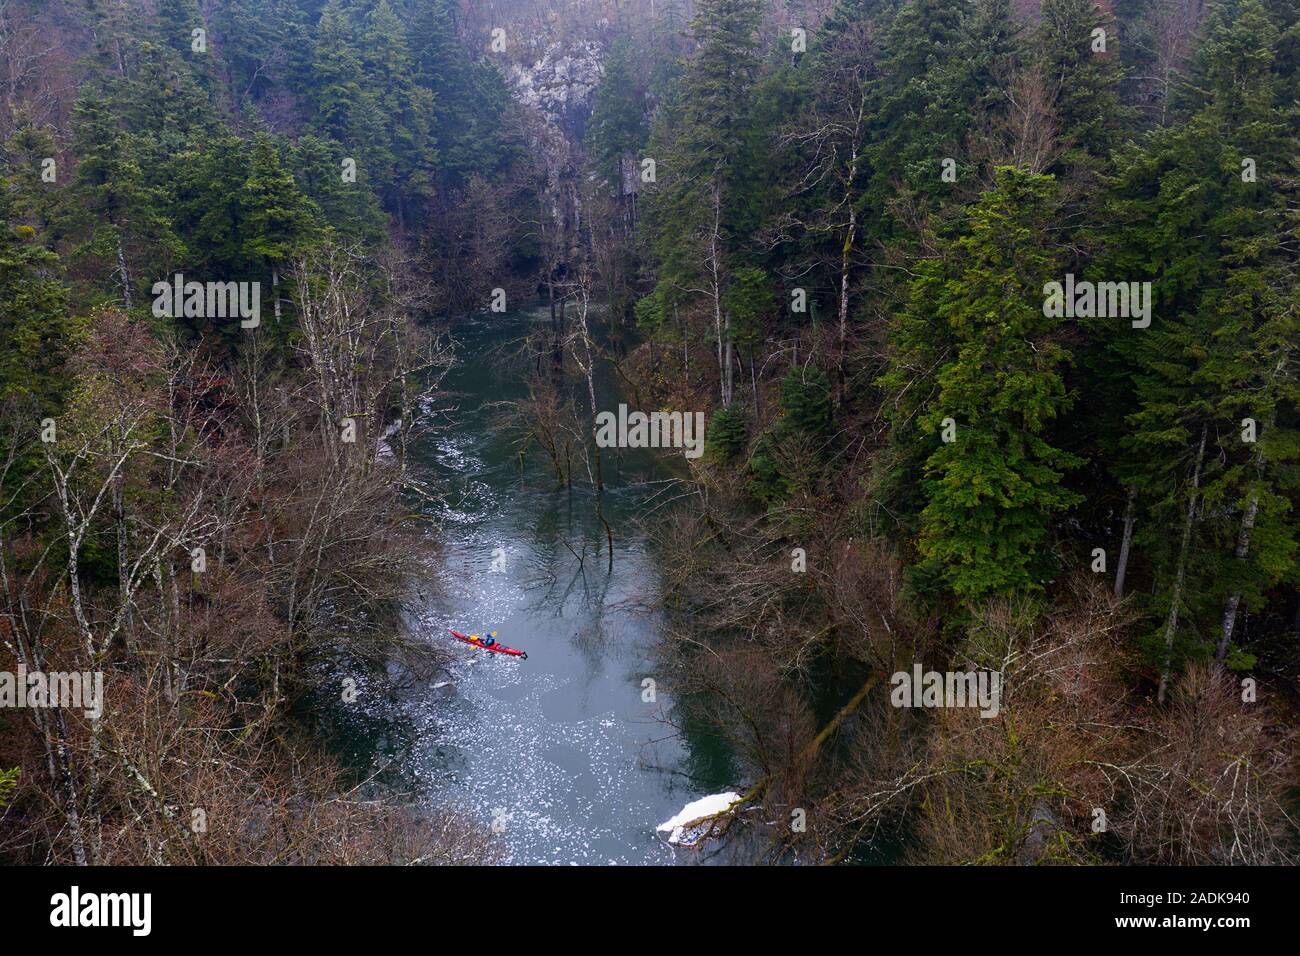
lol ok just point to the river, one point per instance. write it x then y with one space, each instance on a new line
561 753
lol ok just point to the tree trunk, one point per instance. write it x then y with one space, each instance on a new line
845 252
125 275
275 292
1176 598
557 340
1234 600
73 815
721 326
118 495
52 726
729 380
559 332
1130 511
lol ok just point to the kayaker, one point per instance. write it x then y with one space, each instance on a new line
489 639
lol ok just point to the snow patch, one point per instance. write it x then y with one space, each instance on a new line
696 819
384 447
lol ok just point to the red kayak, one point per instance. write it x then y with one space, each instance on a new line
476 641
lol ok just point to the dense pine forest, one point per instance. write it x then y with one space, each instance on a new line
990 306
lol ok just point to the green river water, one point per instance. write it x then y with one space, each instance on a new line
559 752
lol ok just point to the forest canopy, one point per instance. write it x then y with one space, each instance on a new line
992 309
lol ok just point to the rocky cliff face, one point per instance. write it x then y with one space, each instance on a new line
560 82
